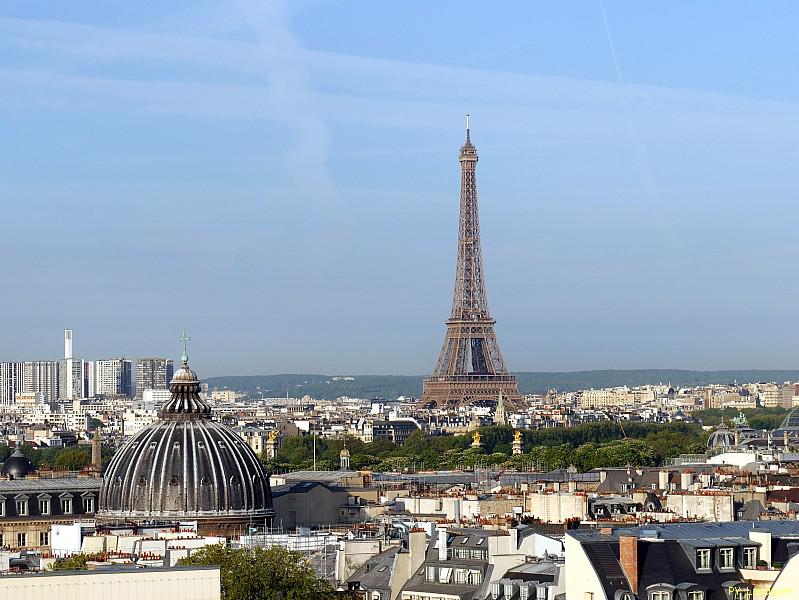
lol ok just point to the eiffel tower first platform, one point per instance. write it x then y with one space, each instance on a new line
470 368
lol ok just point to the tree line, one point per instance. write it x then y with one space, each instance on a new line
585 447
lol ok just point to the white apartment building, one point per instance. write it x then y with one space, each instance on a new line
134 421
41 376
605 397
111 377
156 397
11 375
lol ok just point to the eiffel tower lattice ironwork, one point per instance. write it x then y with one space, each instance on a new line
470 368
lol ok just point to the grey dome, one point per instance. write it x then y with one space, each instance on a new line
791 420
722 437
17 466
185 465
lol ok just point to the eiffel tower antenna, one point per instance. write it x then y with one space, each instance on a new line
470 367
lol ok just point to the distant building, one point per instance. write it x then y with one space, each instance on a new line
73 377
11 376
154 397
153 374
41 376
112 377
223 396
396 431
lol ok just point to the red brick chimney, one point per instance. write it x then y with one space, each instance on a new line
628 556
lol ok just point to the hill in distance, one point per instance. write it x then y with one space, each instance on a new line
330 387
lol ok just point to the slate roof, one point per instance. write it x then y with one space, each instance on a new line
666 552
417 582
58 484
375 573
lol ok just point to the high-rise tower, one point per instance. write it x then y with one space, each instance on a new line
470 367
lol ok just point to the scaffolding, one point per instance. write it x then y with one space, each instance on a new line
319 546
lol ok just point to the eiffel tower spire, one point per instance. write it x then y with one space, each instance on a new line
470 367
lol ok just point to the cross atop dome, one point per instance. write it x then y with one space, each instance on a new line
185 339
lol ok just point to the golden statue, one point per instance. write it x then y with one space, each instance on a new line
273 435
476 439
517 436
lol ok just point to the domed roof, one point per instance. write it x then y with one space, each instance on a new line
344 452
791 420
185 465
17 466
722 437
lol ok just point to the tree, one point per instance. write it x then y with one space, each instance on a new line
262 574
75 562
73 458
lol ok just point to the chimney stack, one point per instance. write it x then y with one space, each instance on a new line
663 479
628 557
417 542
442 543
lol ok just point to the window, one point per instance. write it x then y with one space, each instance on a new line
703 558
475 577
430 574
22 540
66 506
696 595
88 505
725 558
2 510
749 558
44 538
22 508
44 507
659 595
460 575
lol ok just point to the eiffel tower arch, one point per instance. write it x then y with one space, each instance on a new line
470 367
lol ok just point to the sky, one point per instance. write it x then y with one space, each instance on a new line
281 180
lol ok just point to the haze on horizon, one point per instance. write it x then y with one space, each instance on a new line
281 179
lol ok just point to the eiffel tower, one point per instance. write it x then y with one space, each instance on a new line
470 368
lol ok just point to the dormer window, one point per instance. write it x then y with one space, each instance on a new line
696 595
659 591
749 558
726 558
703 558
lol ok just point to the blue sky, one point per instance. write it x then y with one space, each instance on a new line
281 180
